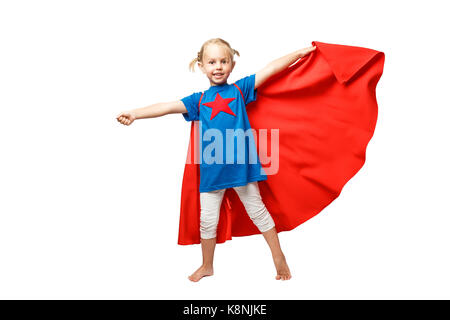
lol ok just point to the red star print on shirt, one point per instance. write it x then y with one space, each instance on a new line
219 104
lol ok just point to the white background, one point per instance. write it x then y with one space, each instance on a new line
90 208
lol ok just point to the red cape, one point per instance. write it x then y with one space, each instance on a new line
326 110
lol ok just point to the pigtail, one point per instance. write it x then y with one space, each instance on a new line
194 62
236 52
192 65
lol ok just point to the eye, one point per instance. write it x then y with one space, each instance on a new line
211 62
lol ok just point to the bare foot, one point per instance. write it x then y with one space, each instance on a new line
283 272
203 271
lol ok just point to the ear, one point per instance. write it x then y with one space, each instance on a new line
232 66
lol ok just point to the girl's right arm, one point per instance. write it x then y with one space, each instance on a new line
152 111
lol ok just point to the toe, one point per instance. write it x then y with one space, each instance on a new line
192 278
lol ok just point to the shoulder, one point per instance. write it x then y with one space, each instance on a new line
246 86
192 98
247 80
194 95
191 103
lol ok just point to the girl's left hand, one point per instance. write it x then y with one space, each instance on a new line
307 50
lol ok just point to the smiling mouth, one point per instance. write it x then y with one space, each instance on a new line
218 74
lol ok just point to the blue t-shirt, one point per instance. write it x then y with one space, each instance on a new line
229 157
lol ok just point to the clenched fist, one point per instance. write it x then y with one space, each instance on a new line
126 118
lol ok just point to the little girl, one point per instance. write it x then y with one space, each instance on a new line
219 109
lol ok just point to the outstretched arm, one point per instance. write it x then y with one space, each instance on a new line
280 64
152 111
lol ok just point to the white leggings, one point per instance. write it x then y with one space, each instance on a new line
249 195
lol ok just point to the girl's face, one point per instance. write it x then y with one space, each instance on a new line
216 64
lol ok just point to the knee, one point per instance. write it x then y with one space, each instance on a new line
261 218
209 213
208 226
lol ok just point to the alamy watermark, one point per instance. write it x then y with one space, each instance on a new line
237 147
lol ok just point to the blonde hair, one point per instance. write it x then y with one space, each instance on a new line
217 41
